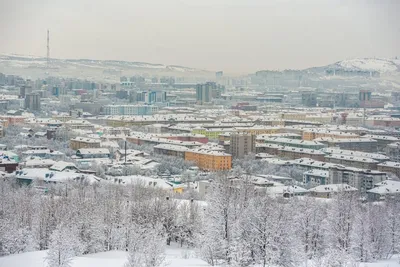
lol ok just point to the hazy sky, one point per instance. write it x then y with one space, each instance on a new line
229 35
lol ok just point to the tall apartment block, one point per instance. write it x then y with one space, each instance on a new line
32 101
204 92
242 144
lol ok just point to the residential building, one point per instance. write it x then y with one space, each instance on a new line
8 165
89 153
130 109
311 134
382 190
297 153
383 140
361 179
204 92
142 138
209 160
355 144
393 151
353 161
315 177
171 150
329 190
242 144
390 166
24 90
283 141
32 101
83 142
337 151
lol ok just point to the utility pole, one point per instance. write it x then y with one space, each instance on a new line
125 152
48 48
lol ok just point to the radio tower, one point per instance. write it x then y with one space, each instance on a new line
48 48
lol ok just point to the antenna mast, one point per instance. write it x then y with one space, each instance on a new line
48 48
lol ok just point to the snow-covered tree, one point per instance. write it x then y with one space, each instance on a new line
146 247
64 245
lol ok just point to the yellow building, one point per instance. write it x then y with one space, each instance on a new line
83 142
209 133
294 116
209 160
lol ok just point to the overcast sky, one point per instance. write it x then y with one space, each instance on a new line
229 35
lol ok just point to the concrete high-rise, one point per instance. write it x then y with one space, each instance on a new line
32 101
24 90
204 92
242 144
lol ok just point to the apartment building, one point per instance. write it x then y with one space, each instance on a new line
312 134
383 140
11 120
315 177
361 179
171 150
283 141
393 151
298 153
353 161
337 151
84 142
209 160
130 109
390 166
90 153
142 138
242 144
355 144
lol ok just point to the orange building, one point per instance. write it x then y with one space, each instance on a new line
10 120
209 160
312 134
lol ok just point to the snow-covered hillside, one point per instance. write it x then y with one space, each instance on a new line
368 64
22 61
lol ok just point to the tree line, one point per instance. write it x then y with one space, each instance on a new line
236 225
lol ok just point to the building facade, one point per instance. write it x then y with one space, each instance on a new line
32 101
204 92
242 144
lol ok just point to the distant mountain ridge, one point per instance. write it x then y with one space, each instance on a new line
380 65
40 62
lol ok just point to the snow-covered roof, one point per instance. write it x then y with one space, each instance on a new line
318 173
333 188
351 158
62 165
383 138
38 162
282 189
386 187
154 182
93 151
390 164
375 156
51 176
172 147
86 140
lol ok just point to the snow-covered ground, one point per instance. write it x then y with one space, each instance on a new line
175 257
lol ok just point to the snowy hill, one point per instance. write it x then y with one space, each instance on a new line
367 64
19 63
